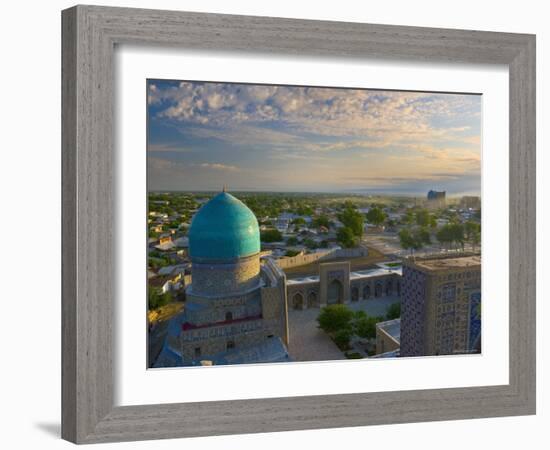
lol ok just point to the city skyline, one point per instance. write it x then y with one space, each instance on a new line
202 136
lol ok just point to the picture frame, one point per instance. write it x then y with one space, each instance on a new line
89 37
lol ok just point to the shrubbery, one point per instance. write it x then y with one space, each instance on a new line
273 235
394 311
341 324
156 299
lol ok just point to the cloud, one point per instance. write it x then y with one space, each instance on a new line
173 148
218 166
319 134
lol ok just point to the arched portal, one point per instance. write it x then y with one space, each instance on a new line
298 301
366 292
312 300
378 289
228 316
335 292
389 287
354 294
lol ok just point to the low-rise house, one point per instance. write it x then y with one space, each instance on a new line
182 242
388 336
165 243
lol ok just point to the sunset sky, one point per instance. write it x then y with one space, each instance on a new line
284 138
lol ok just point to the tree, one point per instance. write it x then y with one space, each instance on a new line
305 210
364 325
415 239
408 218
444 235
342 337
408 241
475 240
376 216
321 221
335 317
292 240
422 236
457 232
156 299
299 221
472 232
346 237
310 243
451 233
425 219
394 311
273 235
352 219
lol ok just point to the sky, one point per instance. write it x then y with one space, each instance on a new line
202 136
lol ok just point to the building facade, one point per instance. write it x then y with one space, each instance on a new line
336 283
441 305
436 199
235 310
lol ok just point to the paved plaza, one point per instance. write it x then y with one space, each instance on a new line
309 343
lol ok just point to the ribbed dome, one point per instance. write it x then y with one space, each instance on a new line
224 228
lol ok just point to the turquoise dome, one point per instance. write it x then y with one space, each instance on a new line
224 228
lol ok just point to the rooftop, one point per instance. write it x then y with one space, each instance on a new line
224 228
381 269
446 263
392 328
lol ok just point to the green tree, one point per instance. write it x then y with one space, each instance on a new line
299 221
292 240
346 238
156 299
304 210
335 317
422 236
310 243
394 311
352 219
273 235
409 241
364 326
444 235
376 216
321 221
425 219
472 233
342 337
450 234
457 231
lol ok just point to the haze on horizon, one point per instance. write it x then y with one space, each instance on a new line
269 138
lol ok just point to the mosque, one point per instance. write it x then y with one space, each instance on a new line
238 301
235 310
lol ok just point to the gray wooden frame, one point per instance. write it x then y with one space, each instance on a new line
89 35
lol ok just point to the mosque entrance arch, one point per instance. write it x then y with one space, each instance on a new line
378 289
389 287
354 294
335 292
366 292
312 300
298 301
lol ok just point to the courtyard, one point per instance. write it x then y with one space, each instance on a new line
309 343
